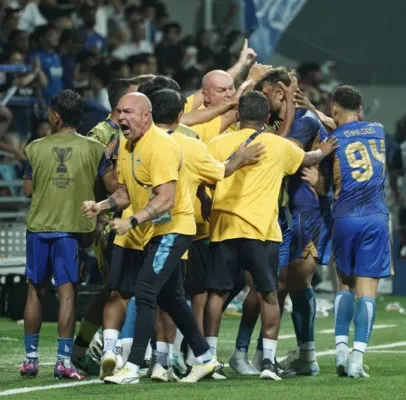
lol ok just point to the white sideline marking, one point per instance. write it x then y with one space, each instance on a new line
387 351
48 387
382 326
8 339
11 392
324 331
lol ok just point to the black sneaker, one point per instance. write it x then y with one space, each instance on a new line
269 370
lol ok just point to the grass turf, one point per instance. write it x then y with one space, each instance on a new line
387 368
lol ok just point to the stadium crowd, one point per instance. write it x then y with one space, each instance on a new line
49 45
193 171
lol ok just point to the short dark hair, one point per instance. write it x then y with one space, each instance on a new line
166 105
158 83
171 25
69 105
103 73
281 74
307 68
253 106
117 89
347 97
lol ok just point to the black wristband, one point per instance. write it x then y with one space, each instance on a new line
112 204
133 221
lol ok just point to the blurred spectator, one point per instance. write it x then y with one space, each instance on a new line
121 69
329 74
231 51
137 45
143 64
9 24
18 41
50 60
50 11
69 46
100 76
204 45
24 89
44 129
310 78
169 52
30 16
93 41
84 63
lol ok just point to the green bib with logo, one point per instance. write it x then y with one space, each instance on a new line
65 173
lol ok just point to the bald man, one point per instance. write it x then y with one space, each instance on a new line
153 160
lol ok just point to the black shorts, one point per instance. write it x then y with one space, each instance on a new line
199 258
124 268
229 257
162 260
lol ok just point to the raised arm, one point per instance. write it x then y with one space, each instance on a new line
325 149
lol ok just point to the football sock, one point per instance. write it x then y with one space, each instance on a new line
31 345
343 314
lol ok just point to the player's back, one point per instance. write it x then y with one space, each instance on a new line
359 170
252 192
307 132
65 170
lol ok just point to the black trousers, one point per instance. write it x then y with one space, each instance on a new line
160 281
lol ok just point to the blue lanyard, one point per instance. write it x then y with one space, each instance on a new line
248 141
112 124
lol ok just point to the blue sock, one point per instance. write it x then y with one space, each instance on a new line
243 338
127 331
303 314
260 346
364 319
31 345
343 314
65 346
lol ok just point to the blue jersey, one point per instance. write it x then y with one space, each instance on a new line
359 170
306 132
52 67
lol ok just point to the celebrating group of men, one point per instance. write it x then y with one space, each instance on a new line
207 194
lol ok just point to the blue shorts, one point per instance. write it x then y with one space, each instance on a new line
52 256
284 248
362 246
324 248
305 234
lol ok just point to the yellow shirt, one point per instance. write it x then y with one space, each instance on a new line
155 160
202 167
134 238
189 104
207 132
245 205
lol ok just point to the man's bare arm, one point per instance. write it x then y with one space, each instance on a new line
162 202
196 117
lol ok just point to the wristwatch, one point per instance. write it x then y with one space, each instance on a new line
133 221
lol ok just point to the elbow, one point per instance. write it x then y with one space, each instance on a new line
168 204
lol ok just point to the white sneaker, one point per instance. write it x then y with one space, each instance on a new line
178 363
199 371
257 360
356 370
289 359
218 373
160 373
240 364
120 363
108 364
126 376
96 346
341 360
306 368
